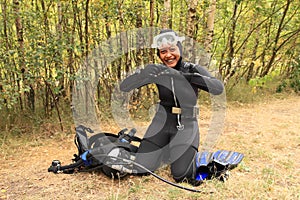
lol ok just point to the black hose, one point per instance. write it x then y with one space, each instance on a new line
166 181
56 167
72 166
155 175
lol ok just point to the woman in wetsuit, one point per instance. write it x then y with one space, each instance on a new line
173 134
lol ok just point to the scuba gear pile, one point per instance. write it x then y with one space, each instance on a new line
113 154
99 152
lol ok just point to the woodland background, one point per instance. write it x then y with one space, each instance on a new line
43 42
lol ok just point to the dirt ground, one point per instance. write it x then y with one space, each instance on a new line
266 132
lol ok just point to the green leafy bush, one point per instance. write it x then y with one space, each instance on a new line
295 76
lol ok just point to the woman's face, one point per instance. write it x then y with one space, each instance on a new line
169 55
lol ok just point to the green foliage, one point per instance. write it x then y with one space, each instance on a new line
242 93
281 87
261 82
295 76
293 80
57 35
259 90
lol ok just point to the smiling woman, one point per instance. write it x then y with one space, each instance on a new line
169 47
169 55
173 135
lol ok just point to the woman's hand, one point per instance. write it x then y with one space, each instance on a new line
153 70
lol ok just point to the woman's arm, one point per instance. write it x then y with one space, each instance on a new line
133 81
205 81
142 77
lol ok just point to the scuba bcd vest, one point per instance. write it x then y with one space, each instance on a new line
97 152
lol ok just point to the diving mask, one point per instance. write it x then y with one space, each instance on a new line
168 38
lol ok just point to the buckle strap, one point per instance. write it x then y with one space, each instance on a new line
186 112
176 110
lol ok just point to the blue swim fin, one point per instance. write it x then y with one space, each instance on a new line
217 164
229 159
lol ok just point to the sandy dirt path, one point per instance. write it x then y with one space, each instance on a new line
267 133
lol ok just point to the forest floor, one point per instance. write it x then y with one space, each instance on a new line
266 132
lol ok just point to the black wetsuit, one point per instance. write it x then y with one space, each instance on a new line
173 135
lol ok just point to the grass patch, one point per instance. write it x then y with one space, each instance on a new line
246 93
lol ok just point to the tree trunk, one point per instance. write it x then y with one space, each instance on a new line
229 71
182 17
166 19
276 40
76 11
5 31
189 53
209 33
86 28
191 19
59 61
139 37
47 75
124 42
253 57
21 58
152 11
7 44
70 53
19 29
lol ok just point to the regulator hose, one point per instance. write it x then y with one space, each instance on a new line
127 161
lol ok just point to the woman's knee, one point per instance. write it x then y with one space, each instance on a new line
184 166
